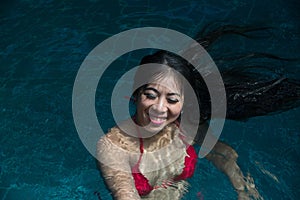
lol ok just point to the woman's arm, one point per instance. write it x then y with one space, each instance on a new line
224 158
114 165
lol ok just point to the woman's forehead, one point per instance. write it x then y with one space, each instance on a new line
167 84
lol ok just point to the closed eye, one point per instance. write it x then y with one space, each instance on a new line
150 96
172 101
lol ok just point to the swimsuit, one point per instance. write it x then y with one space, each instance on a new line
142 183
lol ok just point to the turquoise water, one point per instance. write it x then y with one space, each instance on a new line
43 44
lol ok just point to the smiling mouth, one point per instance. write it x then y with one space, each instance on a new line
157 120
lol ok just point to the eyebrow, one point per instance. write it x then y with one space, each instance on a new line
157 92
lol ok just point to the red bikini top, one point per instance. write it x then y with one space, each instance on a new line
142 183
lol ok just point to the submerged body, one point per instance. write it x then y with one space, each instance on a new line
137 166
124 151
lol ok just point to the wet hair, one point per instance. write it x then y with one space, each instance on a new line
171 66
252 89
248 92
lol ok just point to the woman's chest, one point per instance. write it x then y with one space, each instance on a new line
163 164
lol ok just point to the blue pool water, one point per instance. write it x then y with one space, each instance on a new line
42 45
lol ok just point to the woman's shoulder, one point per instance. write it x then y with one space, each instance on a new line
118 138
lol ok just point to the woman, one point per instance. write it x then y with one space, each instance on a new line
148 174
152 157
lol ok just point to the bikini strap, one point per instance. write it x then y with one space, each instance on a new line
141 145
137 165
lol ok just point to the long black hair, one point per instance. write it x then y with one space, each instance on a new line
249 93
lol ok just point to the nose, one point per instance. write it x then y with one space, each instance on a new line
161 106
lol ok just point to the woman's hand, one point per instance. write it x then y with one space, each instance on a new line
224 158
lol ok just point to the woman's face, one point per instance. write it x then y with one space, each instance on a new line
159 104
